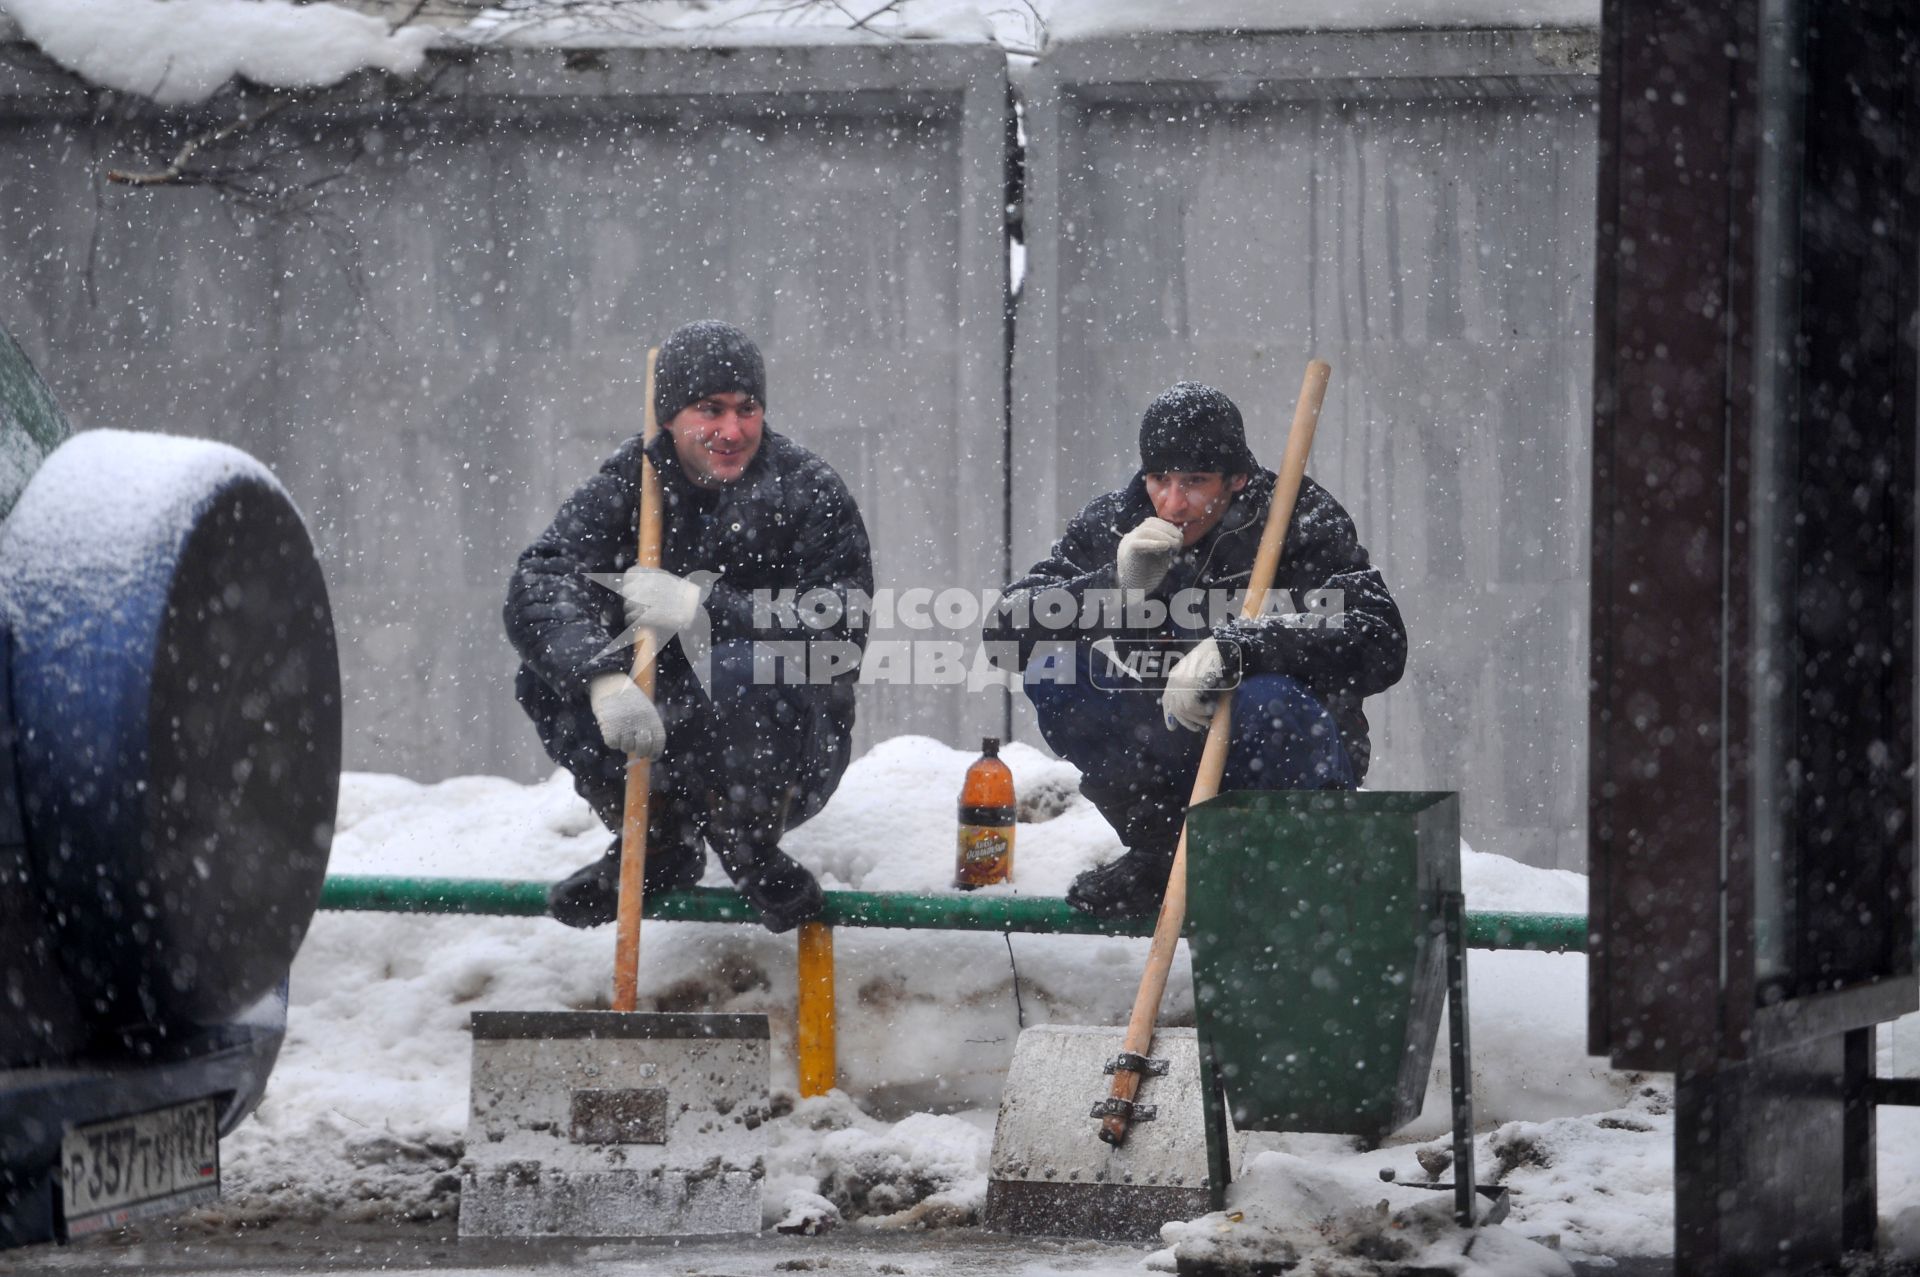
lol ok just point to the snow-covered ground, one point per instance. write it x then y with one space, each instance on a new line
366 1111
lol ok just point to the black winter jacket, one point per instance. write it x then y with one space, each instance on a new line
1366 655
788 523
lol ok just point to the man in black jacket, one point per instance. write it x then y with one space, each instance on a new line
1161 567
757 749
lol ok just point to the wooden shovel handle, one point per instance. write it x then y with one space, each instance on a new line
633 823
1213 758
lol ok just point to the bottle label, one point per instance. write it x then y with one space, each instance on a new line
985 855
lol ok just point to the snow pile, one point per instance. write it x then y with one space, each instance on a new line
908 998
1900 1236
1600 1181
1501 885
893 830
366 1113
182 51
831 1163
1335 1222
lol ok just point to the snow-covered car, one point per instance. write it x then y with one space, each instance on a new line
169 762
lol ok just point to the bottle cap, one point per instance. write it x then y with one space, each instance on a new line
990 746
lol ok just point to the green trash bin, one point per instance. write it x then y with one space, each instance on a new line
1319 924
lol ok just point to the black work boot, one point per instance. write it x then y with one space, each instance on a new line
780 888
1128 887
590 895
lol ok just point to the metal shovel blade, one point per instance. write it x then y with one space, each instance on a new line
611 1124
1052 1174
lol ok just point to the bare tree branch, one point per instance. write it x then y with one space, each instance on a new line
889 7
413 15
177 171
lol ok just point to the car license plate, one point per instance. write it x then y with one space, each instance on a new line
115 1172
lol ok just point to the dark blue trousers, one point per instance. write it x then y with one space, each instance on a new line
766 748
1139 772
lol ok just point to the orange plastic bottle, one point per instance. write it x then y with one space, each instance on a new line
986 822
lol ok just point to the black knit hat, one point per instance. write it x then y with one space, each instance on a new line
1193 427
708 357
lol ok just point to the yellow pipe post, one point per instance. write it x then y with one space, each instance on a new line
814 1024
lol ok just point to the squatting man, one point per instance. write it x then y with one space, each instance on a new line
740 760
1190 521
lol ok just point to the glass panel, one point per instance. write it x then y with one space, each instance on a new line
1832 516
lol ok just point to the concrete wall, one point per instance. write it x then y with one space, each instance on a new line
1417 209
433 362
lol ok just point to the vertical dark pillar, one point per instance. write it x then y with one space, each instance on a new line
1860 1202
1759 1164
1663 346
1752 796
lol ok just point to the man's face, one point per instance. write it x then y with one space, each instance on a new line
1193 500
716 437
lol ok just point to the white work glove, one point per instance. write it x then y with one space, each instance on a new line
628 721
1146 554
1193 686
659 600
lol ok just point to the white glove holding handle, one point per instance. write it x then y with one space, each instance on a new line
659 600
628 721
1193 685
1146 554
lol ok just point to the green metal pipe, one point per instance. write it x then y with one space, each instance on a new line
1043 915
370 893
1552 932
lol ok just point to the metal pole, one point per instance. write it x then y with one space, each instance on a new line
815 1028
1042 915
1460 1058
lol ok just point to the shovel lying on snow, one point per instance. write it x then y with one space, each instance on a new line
614 1123
1048 1174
